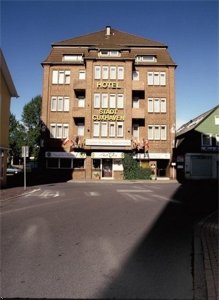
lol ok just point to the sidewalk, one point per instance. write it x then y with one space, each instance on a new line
206 258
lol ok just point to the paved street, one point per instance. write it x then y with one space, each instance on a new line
98 240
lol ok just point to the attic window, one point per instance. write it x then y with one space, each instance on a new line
112 53
145 58
76 58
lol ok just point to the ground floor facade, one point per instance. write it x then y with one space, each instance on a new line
106 165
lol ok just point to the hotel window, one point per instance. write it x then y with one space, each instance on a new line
65 131
156 105
109 53
60 77
120 101
156 78
120 128
206 139
120 73
135 102
145 58
105 72
112 101
81 101
163 105
163 132
112 129
96 129
157 132
82 75
53 103
77 58
96 100
66 104
104 129
60 103
135 75
135 131
97 72
80 127
104 101
112 72
59 130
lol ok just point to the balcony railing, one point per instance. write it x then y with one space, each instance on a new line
138 85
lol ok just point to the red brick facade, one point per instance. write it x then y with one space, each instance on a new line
106 94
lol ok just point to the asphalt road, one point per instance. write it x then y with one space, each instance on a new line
98 240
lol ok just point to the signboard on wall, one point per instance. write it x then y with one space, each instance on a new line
107 155
65 155
107 142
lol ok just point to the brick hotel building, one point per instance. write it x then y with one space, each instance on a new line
106 94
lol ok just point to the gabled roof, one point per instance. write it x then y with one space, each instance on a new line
114 38
192 124
7 76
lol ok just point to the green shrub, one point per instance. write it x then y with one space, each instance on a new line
132 170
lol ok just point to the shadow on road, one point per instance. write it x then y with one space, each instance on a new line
161 262
39 177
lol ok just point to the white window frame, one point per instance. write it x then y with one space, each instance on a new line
135 131
156 105
81 101
135 102
156 132
113 72
150 105
120 125
104 129
96 129
150 76
59 130
65 131
120 73
82 74
96 100
60 103
112 100
150 132
162 78
53 103
120 101
156 78
104 100
80 129
97 72
66 102
163 105
163 132
105 72
53 130
112 129
55 76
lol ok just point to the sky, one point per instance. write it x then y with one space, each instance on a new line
188 28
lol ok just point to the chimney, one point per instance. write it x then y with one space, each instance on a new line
108 28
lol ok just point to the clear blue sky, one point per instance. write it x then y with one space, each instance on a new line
189 28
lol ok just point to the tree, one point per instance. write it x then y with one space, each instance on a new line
16 139
32 123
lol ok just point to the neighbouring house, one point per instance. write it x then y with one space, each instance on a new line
7 91
197 146
105 94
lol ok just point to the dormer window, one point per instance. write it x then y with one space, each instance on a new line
111 53
145 58
73 58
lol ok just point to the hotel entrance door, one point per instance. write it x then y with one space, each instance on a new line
107 168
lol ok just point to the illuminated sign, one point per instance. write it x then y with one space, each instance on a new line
108 114
106 84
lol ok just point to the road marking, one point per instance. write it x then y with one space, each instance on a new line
44 194
92 194
134 191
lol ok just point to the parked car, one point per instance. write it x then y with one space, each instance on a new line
13 170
